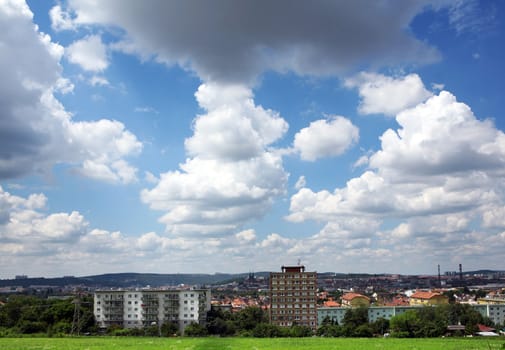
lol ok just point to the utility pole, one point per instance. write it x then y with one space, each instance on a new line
76 321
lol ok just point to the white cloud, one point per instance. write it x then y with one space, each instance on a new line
232 177
149 177
98 81
494 217
326 138
472 16
441 136
146 109
301 182
89 53
439 176
234 127
23 223
381 94
246 235
402 231
36 132
60 19
276 242
64 86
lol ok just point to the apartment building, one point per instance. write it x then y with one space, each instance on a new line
495 312
293 295
140 308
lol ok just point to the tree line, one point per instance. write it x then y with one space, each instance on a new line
21 314
424 322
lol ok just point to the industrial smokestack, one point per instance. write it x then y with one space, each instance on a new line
460 272
439 278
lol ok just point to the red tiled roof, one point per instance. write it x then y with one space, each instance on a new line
483 328
351 296
398 302
331 303
425 295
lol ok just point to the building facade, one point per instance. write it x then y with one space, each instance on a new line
293 297
141 308
495 312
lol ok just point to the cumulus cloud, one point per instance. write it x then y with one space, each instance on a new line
232 176
326 138
441 136
89 53
36 132
23 222
439 176
64 243
381 94
234 127
223 42
442 159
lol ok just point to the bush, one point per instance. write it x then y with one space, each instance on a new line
195 330
265 330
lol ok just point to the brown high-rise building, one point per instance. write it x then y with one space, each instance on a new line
293 295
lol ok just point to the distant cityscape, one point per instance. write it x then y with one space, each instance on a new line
291 296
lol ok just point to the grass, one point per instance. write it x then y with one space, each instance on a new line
139 343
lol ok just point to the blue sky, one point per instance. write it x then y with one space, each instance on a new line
236 136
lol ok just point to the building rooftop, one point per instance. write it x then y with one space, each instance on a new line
424 295
351 296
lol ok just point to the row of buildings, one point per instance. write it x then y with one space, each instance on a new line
292 300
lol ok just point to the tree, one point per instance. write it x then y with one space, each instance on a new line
298 331
219 326
363 331
248 318
432 321
380 326
266 330
195 330
405 325
354 318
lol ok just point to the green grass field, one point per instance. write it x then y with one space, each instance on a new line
113 343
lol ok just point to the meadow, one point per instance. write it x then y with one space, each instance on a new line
211 343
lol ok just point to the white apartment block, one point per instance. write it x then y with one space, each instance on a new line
146 307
